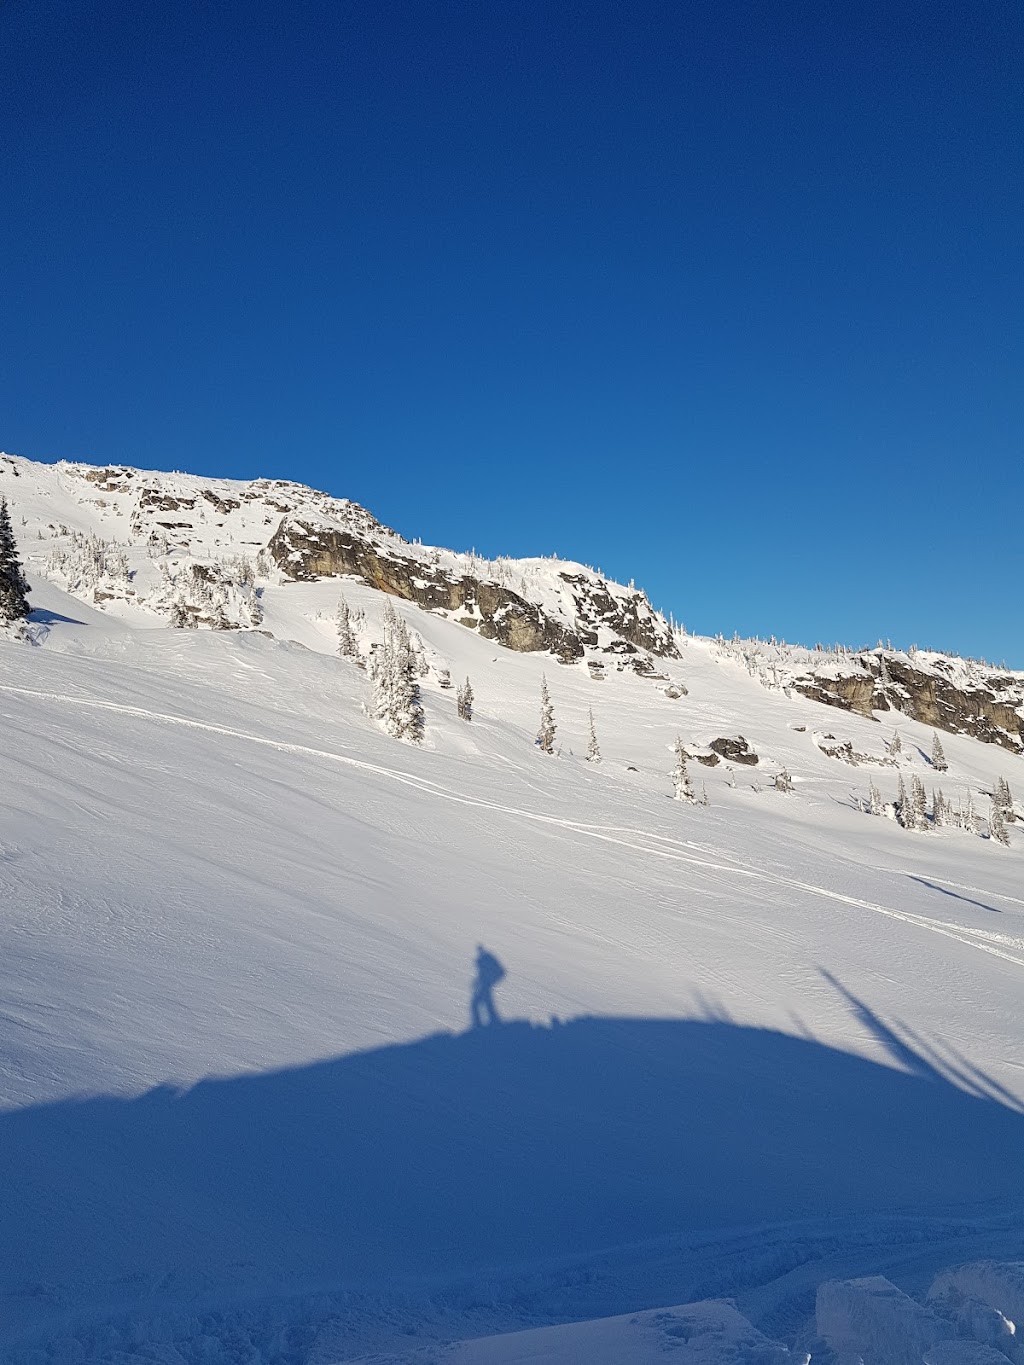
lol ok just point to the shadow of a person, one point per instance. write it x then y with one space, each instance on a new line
489 972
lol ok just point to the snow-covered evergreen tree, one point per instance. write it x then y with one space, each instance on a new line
938 757
419 654
593 749
348 646
13 587
904 808
1003 798
895 745
682 789
875 804
966 817
783 781
939 817
464 701
396 693
919 801
997 825
546 733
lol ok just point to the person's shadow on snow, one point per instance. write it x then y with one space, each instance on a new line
489 971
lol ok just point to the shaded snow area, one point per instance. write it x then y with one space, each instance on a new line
756 1088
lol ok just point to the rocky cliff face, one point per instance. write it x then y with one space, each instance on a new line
571 611
954 695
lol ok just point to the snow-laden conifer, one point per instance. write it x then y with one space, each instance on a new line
919 802
593 749
348 646
783 780
681 787
13 587
464 701
1003 798
546 733
875 804
396 693
904 809
997 825
938 757
895 745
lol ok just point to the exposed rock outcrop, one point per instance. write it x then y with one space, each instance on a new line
604 616
948 694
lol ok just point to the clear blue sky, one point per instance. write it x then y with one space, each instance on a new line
724 297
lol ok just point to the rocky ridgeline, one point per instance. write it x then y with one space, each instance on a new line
571 611
961 696
196 526
956 695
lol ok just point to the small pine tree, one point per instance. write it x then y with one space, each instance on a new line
181 618
875 803
464 701
966 817
997 825
783 781
396 693
938 757
919 800
546 733
939 811
904 810
593 749
895 745
682 789
13 587
348 647
1003 798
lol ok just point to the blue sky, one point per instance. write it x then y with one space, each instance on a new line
723 297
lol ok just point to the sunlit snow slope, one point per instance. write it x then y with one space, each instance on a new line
238 931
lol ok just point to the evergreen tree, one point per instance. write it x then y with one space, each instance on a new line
939 812
1003 798
904 810
419 655
593 750
181 618
464 701
348 648
966 817
997 825
396 693
680 777
546 733
919 801
783 781
938 757
875 804
895 745
13 587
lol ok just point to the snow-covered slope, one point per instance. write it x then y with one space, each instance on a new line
748 1046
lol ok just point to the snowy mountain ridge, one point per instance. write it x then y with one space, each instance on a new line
751 1040
140 542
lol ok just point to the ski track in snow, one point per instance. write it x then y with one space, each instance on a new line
972 938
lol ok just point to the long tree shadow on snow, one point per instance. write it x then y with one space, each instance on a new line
495 1147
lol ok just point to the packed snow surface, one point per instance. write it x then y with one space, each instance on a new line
747 1047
